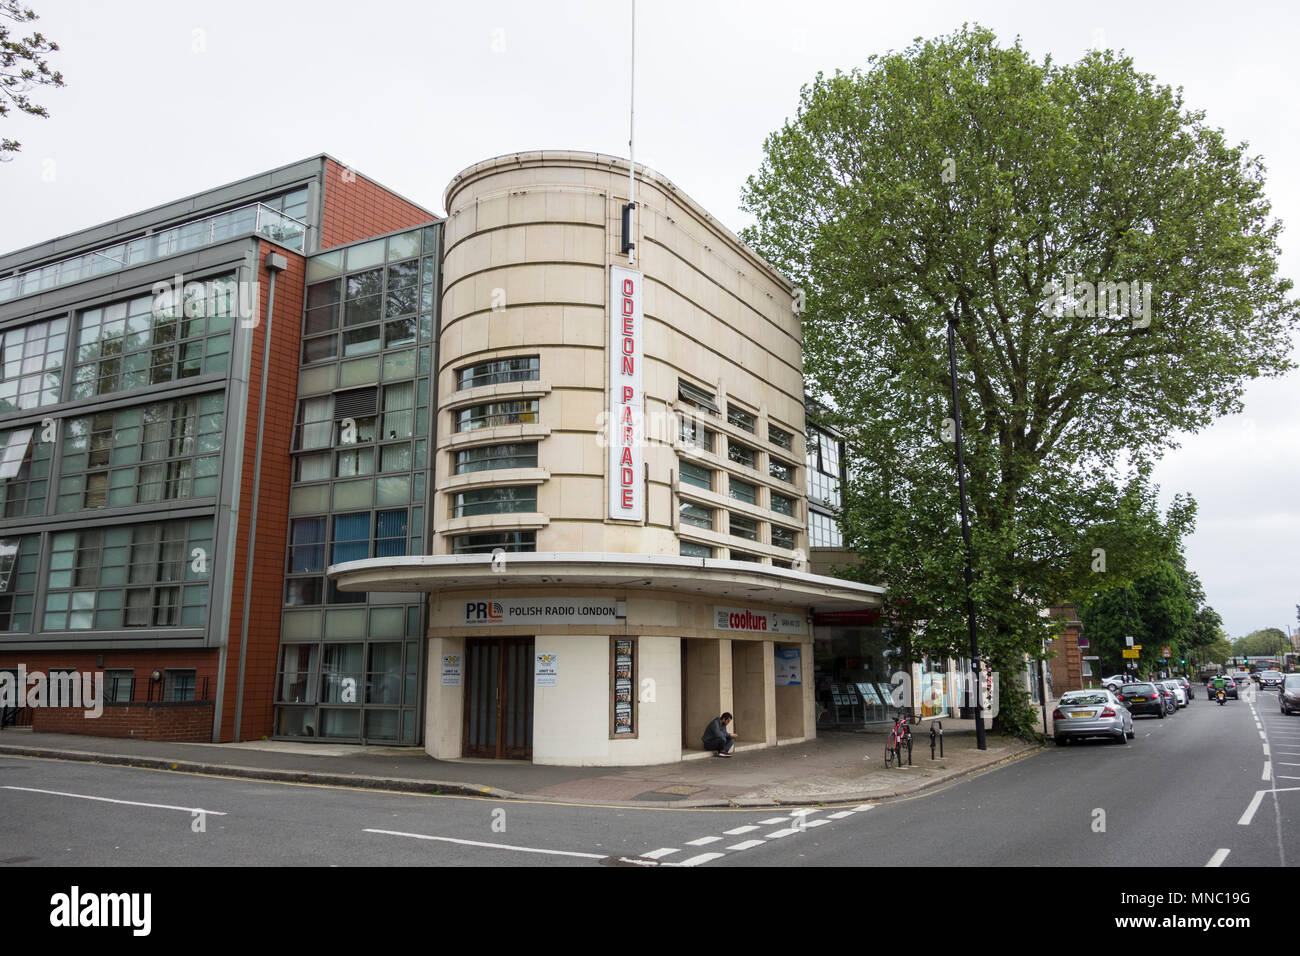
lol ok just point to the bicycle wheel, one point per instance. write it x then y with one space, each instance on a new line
889 756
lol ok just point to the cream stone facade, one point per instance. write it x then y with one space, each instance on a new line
711 583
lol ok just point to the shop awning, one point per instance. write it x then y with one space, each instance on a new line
736 580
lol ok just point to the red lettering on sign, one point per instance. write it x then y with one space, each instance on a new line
627 477
629 307
627 365
629 345
627 393
627 435
627 498
627 325
628 287
627 456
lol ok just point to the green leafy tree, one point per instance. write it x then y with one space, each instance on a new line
960 177
1160 614
23 65
1267 642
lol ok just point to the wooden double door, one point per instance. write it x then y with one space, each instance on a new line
498 698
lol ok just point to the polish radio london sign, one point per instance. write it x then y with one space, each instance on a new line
626 403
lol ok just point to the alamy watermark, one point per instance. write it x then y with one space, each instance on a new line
970 691
60 689
1083 299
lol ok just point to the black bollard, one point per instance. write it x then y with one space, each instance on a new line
932 739
940 723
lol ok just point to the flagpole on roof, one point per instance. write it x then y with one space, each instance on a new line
631 136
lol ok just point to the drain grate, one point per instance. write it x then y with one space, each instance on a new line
681 789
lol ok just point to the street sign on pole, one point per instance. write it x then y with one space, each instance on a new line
1129 640
1094 657
1129 653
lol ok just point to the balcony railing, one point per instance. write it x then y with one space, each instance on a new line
246 220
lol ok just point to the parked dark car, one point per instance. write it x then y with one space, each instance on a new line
1289 695
1143 699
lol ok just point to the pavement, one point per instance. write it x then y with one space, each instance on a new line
838 766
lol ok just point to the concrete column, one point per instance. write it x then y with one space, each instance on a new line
444 707
753 678
794 704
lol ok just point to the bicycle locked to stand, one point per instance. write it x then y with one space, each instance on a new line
899 737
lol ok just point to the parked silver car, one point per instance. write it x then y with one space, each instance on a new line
1091 713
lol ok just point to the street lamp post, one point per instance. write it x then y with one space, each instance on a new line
980 741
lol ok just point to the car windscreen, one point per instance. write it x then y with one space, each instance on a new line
1128 690
1270 674
1292 682
1084 700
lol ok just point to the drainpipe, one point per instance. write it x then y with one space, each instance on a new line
275 264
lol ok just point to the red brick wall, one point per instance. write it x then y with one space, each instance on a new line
188 722
1067 665
267 592
356 208
142 662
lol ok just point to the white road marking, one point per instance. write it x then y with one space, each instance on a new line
816 823
128 803
1218 858
777 834
773 821
1250 810
1285 764
1268 771
1265 750
660 853
841 815
703 841
1283 776
864 806
490 846
747 844
739 830
697 860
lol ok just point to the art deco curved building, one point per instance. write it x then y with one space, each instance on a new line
629 440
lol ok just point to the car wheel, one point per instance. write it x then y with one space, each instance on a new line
1161 715
1122 738
1128 734
1060 741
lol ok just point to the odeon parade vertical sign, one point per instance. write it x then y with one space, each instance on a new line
626 403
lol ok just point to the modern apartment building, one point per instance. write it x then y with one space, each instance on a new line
524 482
147 383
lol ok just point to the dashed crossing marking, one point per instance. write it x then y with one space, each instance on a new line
660 853
773 821
747 844
739 830
841 815
816 823
697 860
1268 771
1218 858
777 834
703 841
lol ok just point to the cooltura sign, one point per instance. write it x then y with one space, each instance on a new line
756 622
626 401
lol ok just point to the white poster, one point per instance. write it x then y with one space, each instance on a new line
756 622
624 427
523 611
789 669
451 664
546 670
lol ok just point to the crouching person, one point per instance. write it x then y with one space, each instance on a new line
717 738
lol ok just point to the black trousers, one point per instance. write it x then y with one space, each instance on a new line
722 746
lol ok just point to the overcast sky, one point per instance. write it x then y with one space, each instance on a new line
169 98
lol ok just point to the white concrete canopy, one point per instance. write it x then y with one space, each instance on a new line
737 580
